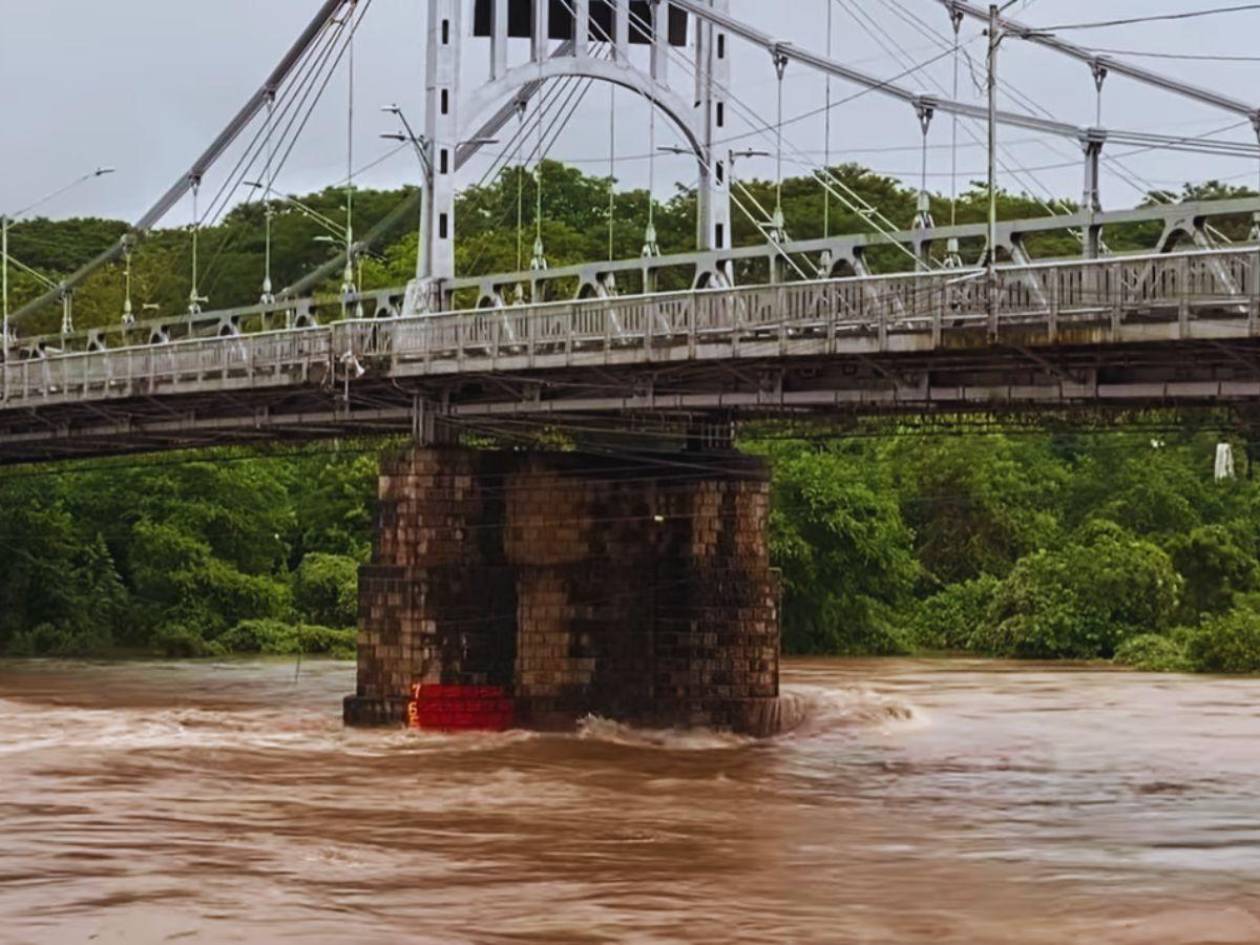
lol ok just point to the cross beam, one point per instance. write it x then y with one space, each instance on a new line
1148 76
825 64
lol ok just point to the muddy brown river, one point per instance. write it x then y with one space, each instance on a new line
922 803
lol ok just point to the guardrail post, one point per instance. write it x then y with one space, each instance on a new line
1055 276
1253 291
571 324
1183 297
693 322
938 312
780 296
882 327
649 325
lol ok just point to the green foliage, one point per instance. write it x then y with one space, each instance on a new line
326 589
953 618
1229 643
165 555
976 504
1084 600
1154 653
332 499
181 641
278 638
85 639
1216 568
846 555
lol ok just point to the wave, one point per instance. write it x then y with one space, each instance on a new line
817 710
829 710
594 728
27 727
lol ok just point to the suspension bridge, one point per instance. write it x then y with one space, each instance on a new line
816 330
966 319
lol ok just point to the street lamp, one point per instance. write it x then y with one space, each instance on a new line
5 221
733 156
420 145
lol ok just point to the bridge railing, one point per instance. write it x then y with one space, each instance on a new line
863 314
245 361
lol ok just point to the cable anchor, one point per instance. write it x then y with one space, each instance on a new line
1100 72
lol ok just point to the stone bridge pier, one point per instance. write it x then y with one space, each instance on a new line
638 590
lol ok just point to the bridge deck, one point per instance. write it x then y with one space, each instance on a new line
1177 328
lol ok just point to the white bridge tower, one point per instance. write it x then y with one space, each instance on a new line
593 39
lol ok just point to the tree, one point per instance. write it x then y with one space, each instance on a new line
976 504
1083 600
846 554
326 590
1215 569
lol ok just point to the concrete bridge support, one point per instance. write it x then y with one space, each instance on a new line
633 590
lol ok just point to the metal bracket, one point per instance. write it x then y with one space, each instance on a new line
1100 72
781 59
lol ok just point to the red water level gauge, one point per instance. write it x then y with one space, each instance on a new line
460 708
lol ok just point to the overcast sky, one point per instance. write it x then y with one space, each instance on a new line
144 85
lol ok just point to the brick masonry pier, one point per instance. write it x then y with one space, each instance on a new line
638 590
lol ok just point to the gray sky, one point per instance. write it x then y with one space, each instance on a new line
144 85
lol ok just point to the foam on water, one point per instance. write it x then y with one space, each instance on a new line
31 727
831 710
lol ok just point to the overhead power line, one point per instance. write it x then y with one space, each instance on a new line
1185 15
1185 57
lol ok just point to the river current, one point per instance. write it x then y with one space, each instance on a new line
922 802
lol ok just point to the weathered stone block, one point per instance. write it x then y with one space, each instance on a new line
588 585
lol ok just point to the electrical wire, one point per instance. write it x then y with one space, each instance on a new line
850 198
1162 17
296 96
1187 57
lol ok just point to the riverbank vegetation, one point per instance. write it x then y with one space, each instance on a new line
1061 540
1111 544
894 538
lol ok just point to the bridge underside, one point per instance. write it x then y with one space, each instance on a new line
1010 377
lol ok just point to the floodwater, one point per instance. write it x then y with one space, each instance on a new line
922 803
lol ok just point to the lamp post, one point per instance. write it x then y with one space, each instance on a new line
421 145
6 220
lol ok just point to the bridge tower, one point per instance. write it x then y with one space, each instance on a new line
629 43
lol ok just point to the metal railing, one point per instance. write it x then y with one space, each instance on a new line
862 315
